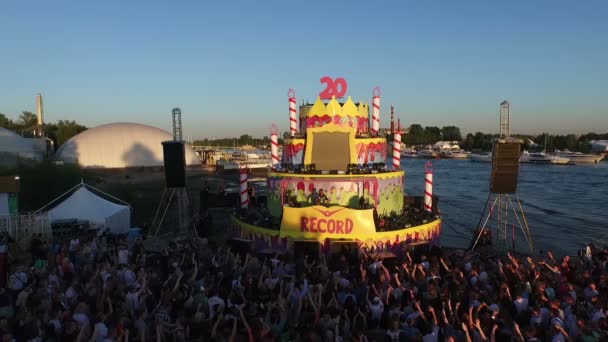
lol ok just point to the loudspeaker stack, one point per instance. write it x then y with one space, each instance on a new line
175 163
505 167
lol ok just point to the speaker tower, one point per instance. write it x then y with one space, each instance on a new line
505 167
173 217
503 210
175 163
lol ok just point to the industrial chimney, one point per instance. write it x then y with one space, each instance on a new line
39 110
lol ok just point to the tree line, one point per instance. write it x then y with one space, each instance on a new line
418 135
27 122
243 140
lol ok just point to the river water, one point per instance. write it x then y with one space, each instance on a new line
566 205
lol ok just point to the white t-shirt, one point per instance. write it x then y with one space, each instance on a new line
392 335
373 267
597 315
17 281
70 293
81 318
74 243
521 304
433 336
132 301
102 331
129 277
558 338
213 301
589 292
56 324
376 309
123 257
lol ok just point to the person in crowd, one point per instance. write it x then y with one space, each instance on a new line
313 198
204 200
191 292
322 198
251 195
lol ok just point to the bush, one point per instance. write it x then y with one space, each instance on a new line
42 182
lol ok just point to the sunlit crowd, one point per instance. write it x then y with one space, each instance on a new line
92 289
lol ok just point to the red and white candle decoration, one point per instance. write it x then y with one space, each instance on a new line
428 188
376 111
274 146
293 119
244 194
397 149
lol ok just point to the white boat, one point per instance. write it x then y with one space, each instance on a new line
408 153
454 155
579 158
542 158
427 154
485 157
238 159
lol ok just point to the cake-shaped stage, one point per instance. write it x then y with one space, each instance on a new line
333 184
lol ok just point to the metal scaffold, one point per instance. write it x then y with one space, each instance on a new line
174 215
503 217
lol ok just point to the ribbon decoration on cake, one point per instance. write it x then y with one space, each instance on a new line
274 146
293 120
376 111
397 149
243 181
428 188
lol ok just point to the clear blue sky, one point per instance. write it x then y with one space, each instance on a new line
228 65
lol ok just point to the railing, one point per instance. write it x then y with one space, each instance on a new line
24 226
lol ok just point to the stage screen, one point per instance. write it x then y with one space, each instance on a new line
331 151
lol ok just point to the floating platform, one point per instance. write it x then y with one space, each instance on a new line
327 225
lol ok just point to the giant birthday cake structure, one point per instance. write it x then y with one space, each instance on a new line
337 181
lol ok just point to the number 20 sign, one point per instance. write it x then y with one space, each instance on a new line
333 87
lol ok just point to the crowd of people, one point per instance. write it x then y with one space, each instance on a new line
96 290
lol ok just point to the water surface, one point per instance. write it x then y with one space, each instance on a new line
566 205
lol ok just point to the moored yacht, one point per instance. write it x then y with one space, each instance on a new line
485 157
579 158
428 154
542 158
453 152
408 153
257 162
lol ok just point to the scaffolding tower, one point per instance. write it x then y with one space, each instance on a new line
503 216
173 216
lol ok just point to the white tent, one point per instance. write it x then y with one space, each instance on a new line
83 204
12 144
599 145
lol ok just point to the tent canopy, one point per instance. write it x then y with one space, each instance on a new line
83 204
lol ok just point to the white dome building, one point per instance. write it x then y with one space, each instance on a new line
119 145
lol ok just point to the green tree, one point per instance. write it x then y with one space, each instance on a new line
28 119
478 141
432 134
469 142
571 142
245 139
413 137
416 130
450 133
67 129
42 182
4 121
